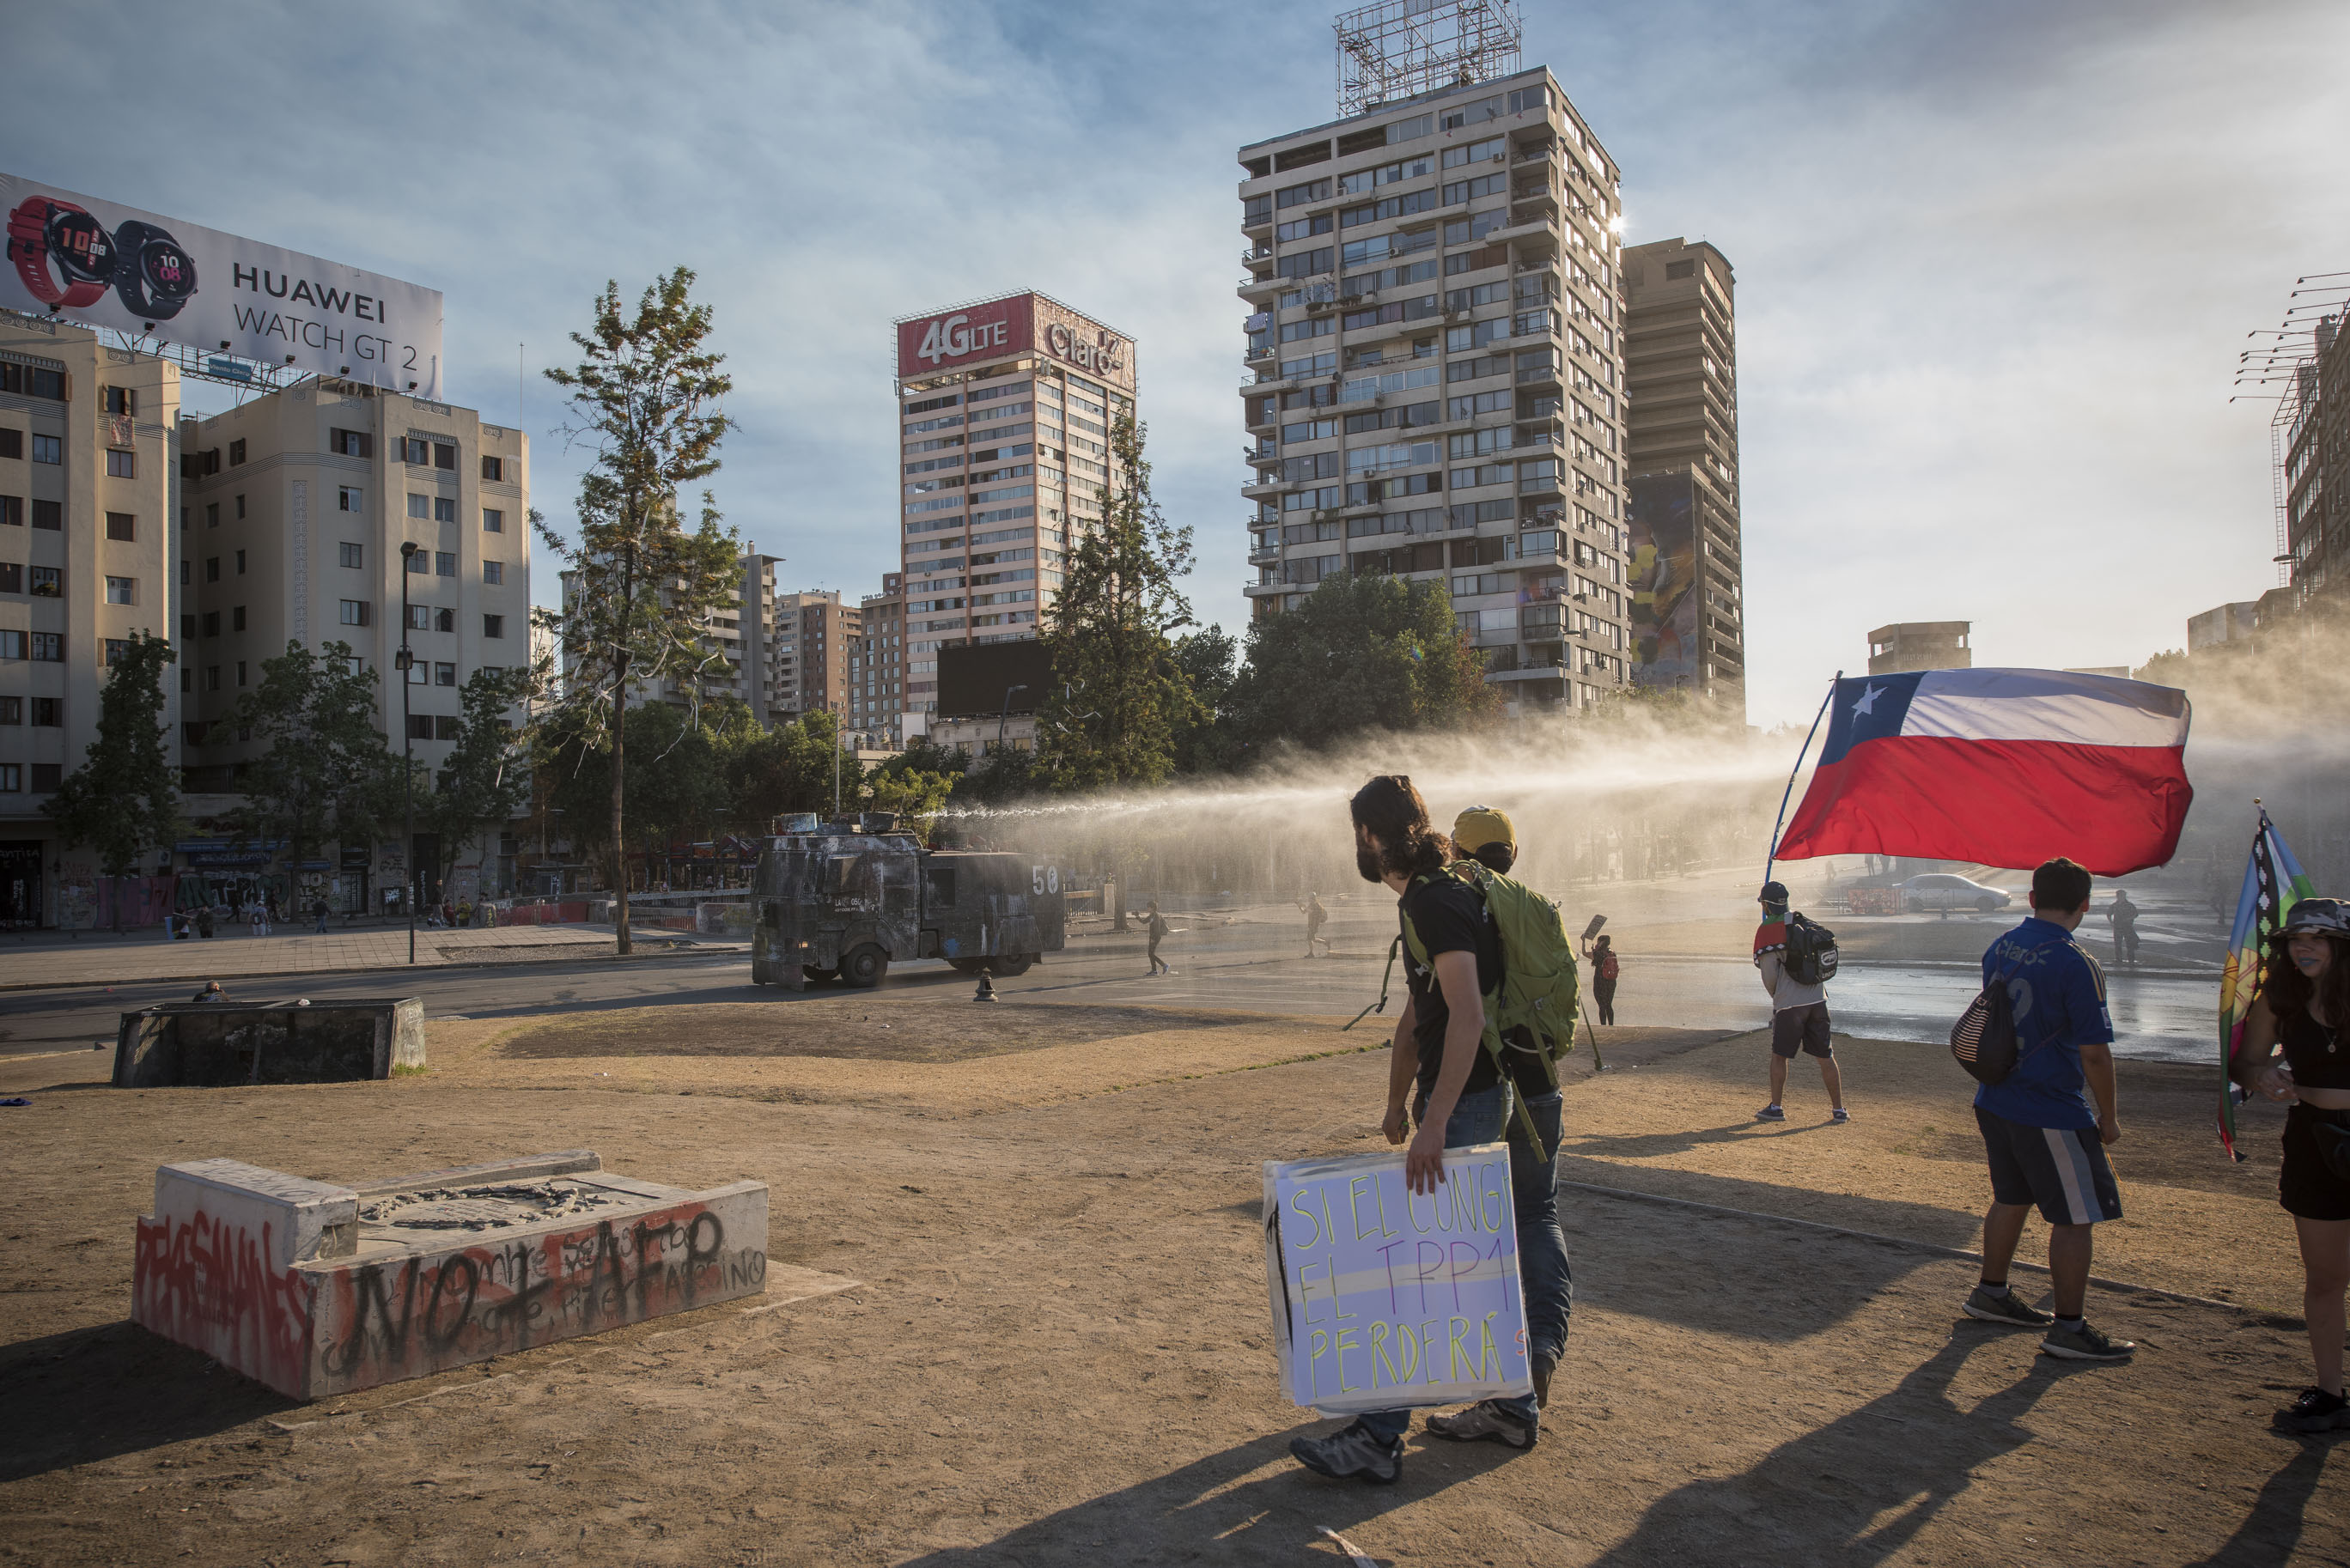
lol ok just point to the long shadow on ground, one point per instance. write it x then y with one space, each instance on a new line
96 1393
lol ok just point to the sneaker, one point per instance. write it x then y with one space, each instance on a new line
1839 1115
1542 1368
2316 1411
2086 1343
1487 1421
1353 1451
1771 1114
2003 1305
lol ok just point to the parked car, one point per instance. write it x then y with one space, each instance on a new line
1940 890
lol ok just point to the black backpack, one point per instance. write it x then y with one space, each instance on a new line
1983 1039
1811 955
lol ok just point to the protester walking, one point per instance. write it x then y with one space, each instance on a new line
1799 1008
2304 1007
1315 917
2045 1139
1156 927
1544 1271
2122 916
318 909
1603 970
1439 1051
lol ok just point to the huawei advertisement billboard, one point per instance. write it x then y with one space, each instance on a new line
947 340
144 273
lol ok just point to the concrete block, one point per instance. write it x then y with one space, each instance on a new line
216 1043
298 1218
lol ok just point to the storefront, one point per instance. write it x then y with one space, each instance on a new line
20 883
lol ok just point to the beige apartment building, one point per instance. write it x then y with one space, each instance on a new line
1680 370
814 635
1434 382
88 486
292 512
1920 644
1005 413
877 669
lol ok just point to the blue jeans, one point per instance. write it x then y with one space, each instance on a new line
1542 1245
1476 1118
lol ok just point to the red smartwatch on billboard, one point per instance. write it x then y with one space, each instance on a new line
42 231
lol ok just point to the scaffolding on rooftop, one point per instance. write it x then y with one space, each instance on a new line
1399 48
2286 368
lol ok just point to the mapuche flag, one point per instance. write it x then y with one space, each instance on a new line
2004 767
2274 884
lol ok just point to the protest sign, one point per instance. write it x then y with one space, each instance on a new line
1384 1298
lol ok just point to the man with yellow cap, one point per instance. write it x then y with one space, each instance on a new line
1488 836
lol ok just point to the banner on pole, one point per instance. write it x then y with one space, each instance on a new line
1383 1298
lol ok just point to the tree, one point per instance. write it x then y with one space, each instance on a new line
1118 698
648 396
485 781
327 771
915 783
791 768
1203 742
1360 653
675 776
125 799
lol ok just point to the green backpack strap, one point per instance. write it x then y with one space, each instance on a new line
1385 975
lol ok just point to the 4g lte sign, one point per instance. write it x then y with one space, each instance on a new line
1017 324
953 337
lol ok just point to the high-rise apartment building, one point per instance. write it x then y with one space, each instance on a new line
89 491
1920 644
2313 444
877 669
1680 380
294 510
1435 375
814 637
740 633
1004 412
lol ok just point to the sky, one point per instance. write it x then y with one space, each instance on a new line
1994 261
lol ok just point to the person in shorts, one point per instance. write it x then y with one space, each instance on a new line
2047 1126
2303 1010
1799 1011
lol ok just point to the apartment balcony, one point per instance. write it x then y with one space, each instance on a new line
1261 489
1534 198
1266 557
1264 452
1263 590
1526 673
1257 290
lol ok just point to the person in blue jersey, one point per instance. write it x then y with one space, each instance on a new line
2047 1126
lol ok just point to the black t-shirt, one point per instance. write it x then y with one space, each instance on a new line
2317 1055
1450 917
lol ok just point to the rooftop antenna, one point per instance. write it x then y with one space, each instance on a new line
1401 49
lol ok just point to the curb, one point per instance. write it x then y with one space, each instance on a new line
17 985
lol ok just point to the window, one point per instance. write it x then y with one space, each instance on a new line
121 464
444 456
419 505
240 507
350 498
211 513
353 556
211 623
419 563
493 626
420 672
50 514
187 679
121 525
12 511
236 618
123 591
48 583
212 569
445 620
420 726
1492 147
187 627
447 727
1297 195
240 563
492 520
350 443
444 509
11 709
12 443
115 648
12 577
235 452
211 677
494 468
48 648
444 674
493 571
1681 269
420 618
444 563
11 774
239 672
47 777
355 612
47 448
413 448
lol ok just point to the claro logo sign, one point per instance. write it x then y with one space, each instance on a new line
1105 355
953 336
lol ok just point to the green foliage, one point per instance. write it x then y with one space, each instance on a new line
125 799
327 773
1360 653
1119 698
1204 742
484 783
1002 776
648 395
790 769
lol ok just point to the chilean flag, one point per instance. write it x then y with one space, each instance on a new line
2004 767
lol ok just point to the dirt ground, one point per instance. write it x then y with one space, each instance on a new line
1058 1348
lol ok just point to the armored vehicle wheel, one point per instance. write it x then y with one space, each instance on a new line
864 966
1009 964
815 976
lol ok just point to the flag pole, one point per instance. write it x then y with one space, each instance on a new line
1772 858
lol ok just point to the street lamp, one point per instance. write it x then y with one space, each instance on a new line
404 662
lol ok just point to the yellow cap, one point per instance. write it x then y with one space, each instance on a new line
1480 825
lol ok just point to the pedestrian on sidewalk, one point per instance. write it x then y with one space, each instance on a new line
269 903
2122 916
2045 1139
1315 917
1603 970
1156 927
205 921
1439 1051
2304 1007
318 909
1489 836
260 920
1799 1011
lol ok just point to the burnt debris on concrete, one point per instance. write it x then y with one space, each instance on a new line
213 1044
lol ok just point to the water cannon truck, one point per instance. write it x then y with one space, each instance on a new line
843 900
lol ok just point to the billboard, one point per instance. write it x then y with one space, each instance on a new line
140 273
1662 519
999 328
983 676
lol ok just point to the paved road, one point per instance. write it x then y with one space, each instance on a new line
2158 1018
